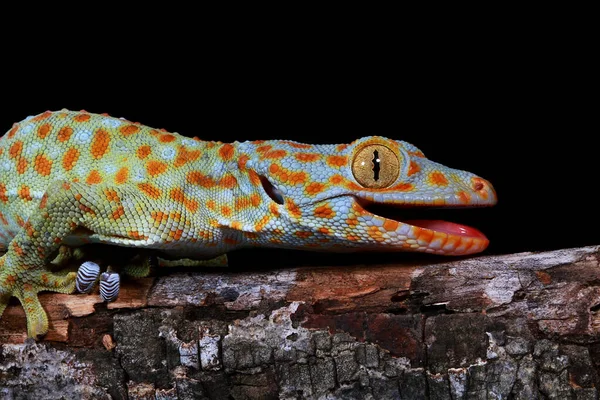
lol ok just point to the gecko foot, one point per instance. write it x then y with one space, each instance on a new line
26 289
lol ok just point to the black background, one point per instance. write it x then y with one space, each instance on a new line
519 110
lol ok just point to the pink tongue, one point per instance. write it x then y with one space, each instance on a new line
448 227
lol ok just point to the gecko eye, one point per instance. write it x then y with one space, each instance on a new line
274 193
375 166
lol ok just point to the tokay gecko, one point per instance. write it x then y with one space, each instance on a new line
68 178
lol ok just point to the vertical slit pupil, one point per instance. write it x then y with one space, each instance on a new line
376 165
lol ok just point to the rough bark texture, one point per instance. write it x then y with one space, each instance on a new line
522 326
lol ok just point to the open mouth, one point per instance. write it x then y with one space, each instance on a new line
431 226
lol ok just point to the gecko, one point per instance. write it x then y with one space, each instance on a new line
69 178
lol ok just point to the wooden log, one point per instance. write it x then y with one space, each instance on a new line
521 326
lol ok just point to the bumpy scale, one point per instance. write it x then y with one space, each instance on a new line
69 178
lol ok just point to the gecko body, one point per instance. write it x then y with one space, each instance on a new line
69 178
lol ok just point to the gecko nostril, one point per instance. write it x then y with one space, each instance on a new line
478 186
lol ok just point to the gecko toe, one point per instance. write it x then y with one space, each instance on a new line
87 276
110 283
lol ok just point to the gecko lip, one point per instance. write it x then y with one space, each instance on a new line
428 217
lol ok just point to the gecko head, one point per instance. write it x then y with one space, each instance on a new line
340 196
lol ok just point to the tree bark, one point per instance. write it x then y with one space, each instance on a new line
522 326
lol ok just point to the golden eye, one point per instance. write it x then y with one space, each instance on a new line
375 166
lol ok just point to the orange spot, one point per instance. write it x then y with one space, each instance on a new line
112 195
42 165
228 181
198 178
341 147
464 197
184 156
255 199
150 190
275 154
100 143
226 152
336 179
254 178
390 225
307 157
118 213
42 116
375 233
3 219
425 235
263 149
24 193
352 238
241 202
242 160
155 168
78 196
94 178
21 166
129 129
314 188
16 149
136 235
287 176
10 280
66 186
45 278
70 158
226 211
158 217
44 130
274 209
179 196
210 204
143 151
438 178
293 208
414 168
44 201
81 117
177 234
324 230
122 175
260 225
303 234
237 225
324 211
3 196
20 221
337 161
168 138
403 187
17 249
64 134
352 222
13 131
